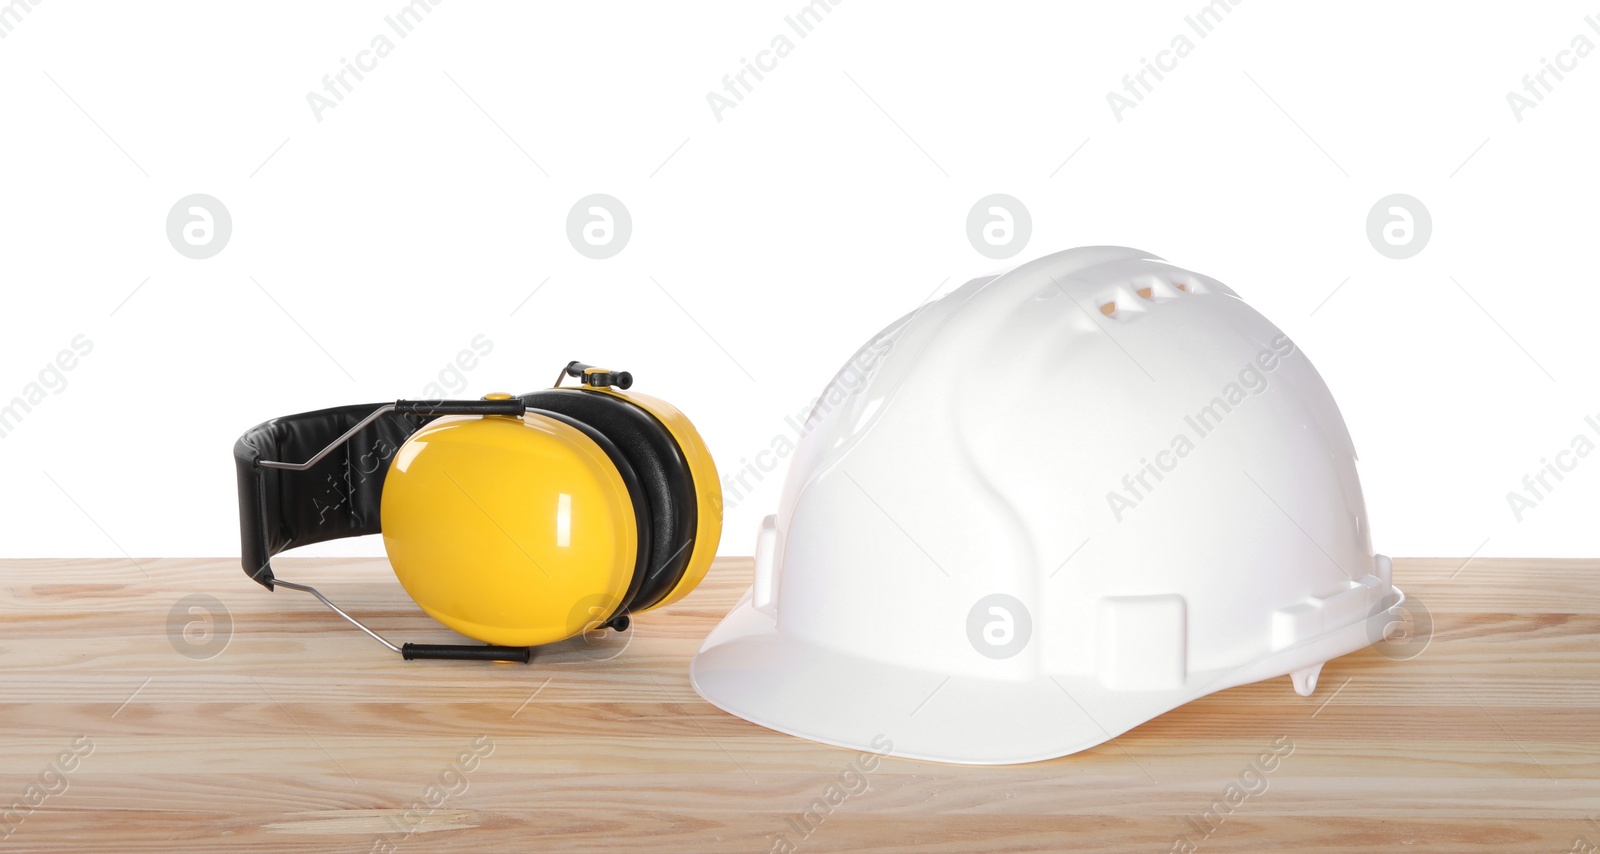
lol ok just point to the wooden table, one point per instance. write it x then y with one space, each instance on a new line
302 733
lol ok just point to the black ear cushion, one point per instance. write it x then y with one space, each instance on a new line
662 471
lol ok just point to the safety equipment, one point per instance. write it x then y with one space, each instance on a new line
516 521
1046 508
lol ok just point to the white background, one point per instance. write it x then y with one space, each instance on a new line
368 248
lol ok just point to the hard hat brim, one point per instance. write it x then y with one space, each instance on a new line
748 668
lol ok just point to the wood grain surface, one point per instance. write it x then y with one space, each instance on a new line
127 725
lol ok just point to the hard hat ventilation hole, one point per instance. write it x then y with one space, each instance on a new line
1108 309
1181 286
1146 293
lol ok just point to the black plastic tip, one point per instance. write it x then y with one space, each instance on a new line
465 652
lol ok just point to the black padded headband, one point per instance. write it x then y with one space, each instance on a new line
284 505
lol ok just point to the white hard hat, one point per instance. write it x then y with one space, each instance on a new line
1049 507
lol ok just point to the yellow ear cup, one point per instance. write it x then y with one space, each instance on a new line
501 527
707 490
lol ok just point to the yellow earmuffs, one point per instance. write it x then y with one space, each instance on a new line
514 520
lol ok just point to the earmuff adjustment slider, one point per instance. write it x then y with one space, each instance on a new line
422 651
514 406
594 377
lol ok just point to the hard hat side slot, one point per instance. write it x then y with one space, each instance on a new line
1142 642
